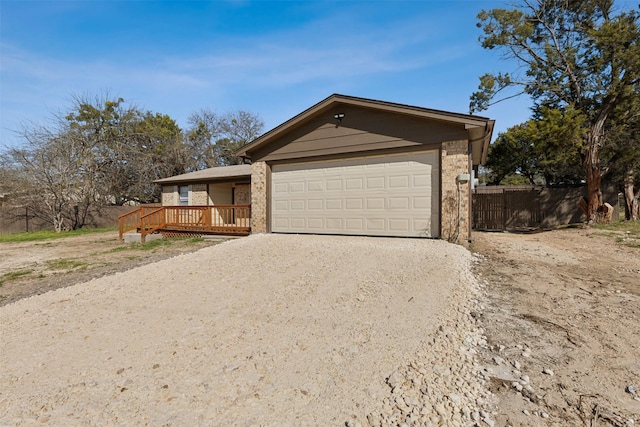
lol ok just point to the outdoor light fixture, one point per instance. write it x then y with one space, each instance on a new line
338 117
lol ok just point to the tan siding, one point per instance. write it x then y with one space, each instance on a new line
361 130
220 194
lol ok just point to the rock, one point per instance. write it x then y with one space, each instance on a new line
517 386
489 422
544 414
411 401
526 412
394 379
631 389
498 360
548 372
516 364
455 398
440 409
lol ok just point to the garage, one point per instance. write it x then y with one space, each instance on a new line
391 195
358 166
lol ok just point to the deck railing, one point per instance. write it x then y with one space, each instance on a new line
220 219
131 220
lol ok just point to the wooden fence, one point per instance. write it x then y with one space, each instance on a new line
532 207
18 219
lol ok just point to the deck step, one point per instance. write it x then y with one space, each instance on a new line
134 237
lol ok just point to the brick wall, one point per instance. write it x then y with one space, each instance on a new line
170 195
455 161
243 194
259 197
198 195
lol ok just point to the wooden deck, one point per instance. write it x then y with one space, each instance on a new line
176 220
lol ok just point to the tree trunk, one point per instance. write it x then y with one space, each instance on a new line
593 173
631 198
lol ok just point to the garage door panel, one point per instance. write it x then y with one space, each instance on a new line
421 202
401 181
352 184
399 225
295 187
376 203
376 182
375 225
334 225
315 185
353 204
354 225
421 181
315 223
333 185
384 195
296 205
334 204
281 187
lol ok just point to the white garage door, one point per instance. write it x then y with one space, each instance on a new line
393 195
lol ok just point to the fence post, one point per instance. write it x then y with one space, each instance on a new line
26 217
504 209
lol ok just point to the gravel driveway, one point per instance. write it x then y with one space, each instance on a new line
263 330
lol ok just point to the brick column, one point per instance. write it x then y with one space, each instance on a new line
199 196
455 219
259 197
170 195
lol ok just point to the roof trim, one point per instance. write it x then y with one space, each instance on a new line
212 174
428 113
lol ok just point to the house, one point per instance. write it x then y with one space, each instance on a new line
358 166
209 201
350 166
226 185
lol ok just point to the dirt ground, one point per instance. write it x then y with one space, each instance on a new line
33 268
561 314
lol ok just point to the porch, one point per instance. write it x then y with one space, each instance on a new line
174 221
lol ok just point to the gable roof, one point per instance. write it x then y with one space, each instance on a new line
479 128
211 174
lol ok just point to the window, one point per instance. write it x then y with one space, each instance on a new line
184 195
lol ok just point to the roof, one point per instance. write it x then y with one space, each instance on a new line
480 128
211 174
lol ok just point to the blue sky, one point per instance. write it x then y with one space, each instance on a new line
274 59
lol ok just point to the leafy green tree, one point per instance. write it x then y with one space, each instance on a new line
622 150
127 149
575 55
558 138
511 153
544 150
102 152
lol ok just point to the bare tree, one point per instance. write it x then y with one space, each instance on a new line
51 177
213 139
